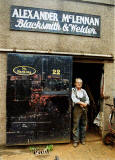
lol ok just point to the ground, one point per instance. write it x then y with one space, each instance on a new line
93 150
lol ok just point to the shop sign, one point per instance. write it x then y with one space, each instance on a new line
54 21
24 70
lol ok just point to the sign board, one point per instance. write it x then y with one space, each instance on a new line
54 21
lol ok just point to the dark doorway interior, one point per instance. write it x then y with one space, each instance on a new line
91 74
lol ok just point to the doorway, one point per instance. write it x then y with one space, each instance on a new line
91 74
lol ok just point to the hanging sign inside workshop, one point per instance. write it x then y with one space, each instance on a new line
24 70
54 21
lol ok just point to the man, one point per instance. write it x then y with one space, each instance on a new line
80 100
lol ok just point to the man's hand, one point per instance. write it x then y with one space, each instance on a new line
85 105
82 104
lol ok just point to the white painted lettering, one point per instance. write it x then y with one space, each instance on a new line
36 15
92 21
25 13
78 19
15 13
86 20
55 17
65 18
96 21
30 14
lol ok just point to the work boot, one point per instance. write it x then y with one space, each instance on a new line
75 144
83 142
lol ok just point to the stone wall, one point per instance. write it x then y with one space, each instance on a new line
56 42
3 71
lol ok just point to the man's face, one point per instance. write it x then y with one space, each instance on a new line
78 84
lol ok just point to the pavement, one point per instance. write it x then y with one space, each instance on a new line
93 150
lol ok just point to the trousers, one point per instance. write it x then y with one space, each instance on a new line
79 123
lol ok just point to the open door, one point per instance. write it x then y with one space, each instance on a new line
91 74
38 99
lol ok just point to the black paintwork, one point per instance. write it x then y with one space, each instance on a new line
38 105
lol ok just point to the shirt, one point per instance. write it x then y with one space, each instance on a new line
77 95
